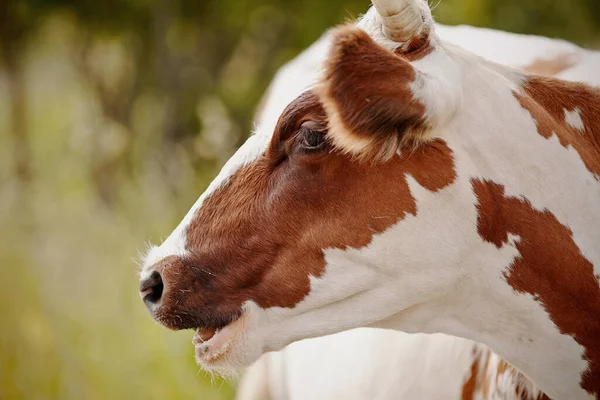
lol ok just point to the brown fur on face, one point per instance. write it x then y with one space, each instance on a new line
550 267
262 235
366 93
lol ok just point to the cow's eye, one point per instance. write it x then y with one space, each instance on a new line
310 137
311 140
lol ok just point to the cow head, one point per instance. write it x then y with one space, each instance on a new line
359 206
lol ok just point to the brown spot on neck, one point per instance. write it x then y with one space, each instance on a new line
547 100
550 267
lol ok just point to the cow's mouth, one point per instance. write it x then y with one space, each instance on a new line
213 342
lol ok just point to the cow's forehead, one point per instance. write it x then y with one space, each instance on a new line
254 147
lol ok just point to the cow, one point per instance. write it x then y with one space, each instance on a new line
416 187
389 364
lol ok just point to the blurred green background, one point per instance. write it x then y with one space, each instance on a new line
114 116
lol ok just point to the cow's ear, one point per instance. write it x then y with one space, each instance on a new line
366 92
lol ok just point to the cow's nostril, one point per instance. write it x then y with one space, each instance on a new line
151 288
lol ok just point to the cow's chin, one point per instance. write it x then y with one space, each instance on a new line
230 348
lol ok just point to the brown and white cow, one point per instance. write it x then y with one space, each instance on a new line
418 187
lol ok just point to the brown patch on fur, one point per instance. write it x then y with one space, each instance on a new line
524 388
550 267
547 99
261 236
485 384
417 47
367 96
470 385
522 392
503 367
551 66
484 379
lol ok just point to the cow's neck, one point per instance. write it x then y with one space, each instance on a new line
532 294
558 262
506 324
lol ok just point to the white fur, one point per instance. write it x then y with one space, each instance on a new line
573 119
437 87
378 364
507 48
392 366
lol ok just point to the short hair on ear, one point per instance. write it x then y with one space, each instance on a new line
366 93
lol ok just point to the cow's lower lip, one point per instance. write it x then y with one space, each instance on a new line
213 343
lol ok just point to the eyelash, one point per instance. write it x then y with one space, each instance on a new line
304 135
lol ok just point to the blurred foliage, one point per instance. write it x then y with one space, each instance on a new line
114 116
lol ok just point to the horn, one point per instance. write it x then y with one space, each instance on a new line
403 19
